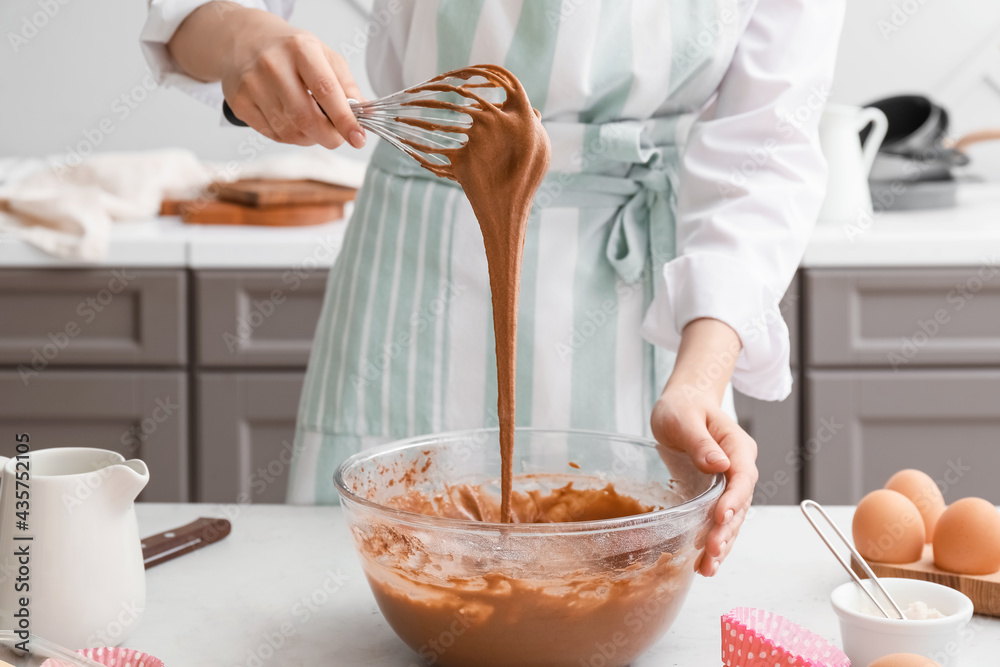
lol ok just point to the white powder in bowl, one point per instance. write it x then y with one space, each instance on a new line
920 611
917 611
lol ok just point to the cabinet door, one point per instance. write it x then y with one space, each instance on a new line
138 414
245 433
862 426
60 317
257 318
775 427
903 318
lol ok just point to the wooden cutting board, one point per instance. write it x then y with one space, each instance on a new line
214 212
984 591
275 192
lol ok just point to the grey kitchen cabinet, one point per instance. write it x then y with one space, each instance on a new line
138 414
257 318
76 317
775 425
903 318
246 429
898 367
867 424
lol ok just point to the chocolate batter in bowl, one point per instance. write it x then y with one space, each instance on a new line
592 571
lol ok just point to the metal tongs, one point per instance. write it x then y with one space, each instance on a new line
812 504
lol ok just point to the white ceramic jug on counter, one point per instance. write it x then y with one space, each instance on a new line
849 162
84 561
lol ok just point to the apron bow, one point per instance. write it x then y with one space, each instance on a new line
629 165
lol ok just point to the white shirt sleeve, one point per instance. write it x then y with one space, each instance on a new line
165 16
751 184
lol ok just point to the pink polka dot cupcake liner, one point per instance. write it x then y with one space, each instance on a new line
120 657
758 638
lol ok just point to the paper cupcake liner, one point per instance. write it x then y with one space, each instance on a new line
120 657
758 638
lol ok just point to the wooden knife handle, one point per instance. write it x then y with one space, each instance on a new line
171 544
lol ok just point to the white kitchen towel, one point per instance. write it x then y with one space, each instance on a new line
69 211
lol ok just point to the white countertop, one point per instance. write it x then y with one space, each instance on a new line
166 242
968 235
288 577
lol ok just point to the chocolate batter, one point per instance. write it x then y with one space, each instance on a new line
565 600
560 505
457 598
500 167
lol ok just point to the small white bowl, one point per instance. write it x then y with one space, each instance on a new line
867 638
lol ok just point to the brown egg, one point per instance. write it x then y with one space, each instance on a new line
888 528
925 494
904 660
967 538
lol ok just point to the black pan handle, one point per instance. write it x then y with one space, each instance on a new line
227 111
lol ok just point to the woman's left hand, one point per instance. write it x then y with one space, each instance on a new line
688 417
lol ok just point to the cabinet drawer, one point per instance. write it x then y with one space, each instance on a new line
246 432
863 426
257 318
63 317
137 414
902 318
775 427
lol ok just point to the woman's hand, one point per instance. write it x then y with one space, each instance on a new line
688 417
268 70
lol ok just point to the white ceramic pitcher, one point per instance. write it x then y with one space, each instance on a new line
85 571
848 197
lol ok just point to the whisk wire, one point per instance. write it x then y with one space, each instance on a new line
402 118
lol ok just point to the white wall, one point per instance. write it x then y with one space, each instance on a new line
946 49
72 75
66 79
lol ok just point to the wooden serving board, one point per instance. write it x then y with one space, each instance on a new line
984 590
276 192
214 212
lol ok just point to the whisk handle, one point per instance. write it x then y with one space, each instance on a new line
227 111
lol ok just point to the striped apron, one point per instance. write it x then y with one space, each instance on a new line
405 345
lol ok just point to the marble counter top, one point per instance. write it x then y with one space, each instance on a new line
968 235
286 589
166 242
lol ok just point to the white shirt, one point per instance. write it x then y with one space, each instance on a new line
752 177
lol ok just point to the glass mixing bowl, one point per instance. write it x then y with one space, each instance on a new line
585 593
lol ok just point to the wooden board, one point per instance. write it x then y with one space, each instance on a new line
276 192
214 212
984 591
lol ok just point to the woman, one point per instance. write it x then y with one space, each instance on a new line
651 274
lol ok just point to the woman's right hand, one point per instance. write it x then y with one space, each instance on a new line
268 69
